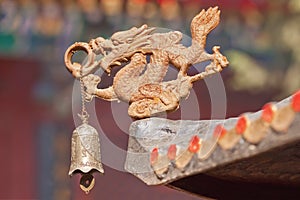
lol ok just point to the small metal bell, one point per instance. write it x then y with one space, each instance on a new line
85 155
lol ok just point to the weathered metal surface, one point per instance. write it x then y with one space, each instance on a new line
144 56
157 132
85 155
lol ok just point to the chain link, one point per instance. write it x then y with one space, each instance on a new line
84 114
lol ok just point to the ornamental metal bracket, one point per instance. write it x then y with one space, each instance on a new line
144 56
161 151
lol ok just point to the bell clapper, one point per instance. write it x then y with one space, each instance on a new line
87 182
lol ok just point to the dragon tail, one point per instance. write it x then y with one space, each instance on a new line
203 23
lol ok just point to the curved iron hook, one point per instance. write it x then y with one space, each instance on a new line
78 70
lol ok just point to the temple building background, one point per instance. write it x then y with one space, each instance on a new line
260 38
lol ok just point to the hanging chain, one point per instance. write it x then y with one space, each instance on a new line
84 114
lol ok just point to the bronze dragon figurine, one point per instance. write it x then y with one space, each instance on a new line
140 80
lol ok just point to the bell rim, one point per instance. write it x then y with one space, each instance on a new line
85 170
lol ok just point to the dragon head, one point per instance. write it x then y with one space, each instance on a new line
122 45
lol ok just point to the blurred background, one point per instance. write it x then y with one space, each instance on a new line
261 40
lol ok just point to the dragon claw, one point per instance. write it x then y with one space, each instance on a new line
219 59
90 83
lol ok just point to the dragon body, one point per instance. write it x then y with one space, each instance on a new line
145 57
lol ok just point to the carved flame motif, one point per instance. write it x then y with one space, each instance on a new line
140 80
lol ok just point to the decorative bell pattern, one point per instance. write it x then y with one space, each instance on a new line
85 155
